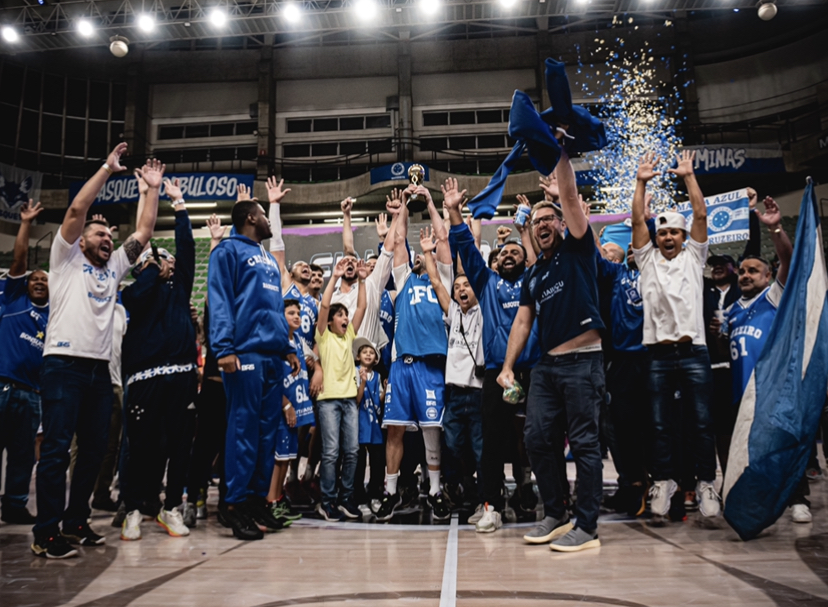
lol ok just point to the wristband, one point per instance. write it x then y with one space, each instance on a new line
776 231
175 203
286 407
106 168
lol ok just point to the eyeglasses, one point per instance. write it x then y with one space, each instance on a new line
545 219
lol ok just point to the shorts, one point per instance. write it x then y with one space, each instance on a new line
287 441
415 394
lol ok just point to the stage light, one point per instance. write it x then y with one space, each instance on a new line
119 46
85 28
508 3
291 12
767 11
218 17
10 34
429 7
365 9
146 23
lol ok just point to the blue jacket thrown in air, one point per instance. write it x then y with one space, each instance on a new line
499 301
244 289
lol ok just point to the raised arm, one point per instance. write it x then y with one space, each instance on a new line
526 233
362 300
684 169
438 227
576 222
75 218
646 171
20 263
184 241
216 231
347 232
453 200
429 245
152 173
275 194
325 304
772 217
401 255
518 337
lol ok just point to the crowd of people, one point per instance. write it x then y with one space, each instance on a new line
439 361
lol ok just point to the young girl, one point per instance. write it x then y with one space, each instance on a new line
369 399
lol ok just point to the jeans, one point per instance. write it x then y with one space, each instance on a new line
76 399
102 490
685 368
338 421
629 408
19 419
566 395
463 425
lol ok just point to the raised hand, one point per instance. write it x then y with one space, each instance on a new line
152 173
423 191
427 242
382 226
275 191
143 188
584 205
452 196
30 211
503 232
549 185
95 216
243 192
339 268
347 205
772 217
362 269
753 198
684 168
216 229
173 189
646 167
114 158
393 202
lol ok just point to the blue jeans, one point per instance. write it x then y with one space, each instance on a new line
19 419
76 399
463 424
681 368
566 393
338 420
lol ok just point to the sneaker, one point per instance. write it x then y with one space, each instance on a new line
83 535
549 529
131 528
813 474
350 511
709 504
173 522
259 510
106 504
690 502
53 547
576 540
440 508
660 495
281 509
490 521
120 515
201 511
17 516
388 505
188 514
478 514
800 513
244 528
329 513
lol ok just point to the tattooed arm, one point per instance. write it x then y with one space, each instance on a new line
151 173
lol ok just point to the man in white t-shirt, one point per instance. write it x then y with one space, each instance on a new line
672 290
77 389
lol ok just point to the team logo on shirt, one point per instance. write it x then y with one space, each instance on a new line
430 394
37 343
431 412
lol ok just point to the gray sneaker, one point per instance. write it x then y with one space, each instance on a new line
577 539
548 529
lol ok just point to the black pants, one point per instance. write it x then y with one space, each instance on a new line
629 407
102 491
208 445
374 456
159 430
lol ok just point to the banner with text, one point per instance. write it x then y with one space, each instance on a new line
194 186
728 216
17 186
393 172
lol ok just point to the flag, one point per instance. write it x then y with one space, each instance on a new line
783 400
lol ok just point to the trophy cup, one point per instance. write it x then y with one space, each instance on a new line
416 202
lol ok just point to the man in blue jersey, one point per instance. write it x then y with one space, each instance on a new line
249 334
416 382
22 331
567 388
499 297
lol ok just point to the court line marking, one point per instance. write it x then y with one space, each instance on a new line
448 594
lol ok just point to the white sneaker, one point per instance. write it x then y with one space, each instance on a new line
173 522
478 514
709 504
660 495
800 513
489 522
131 528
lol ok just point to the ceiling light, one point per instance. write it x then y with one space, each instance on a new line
10 34
85 28
366 9
146 22
218 17
507 3
767 11
291 12
429 7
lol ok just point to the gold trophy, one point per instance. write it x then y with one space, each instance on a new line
416 202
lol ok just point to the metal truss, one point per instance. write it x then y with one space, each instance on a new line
54 24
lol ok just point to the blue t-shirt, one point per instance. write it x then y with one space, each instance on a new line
309 309
419 329
747 324
370 408
22 332
297 389
386 318
563 291
626 308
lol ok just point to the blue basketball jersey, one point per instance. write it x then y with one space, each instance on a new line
370 432
297 390
310 312
386 318
419 329
747 325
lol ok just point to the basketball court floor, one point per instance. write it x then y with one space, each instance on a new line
313 563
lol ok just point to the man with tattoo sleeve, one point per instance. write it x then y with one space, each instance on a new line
77 393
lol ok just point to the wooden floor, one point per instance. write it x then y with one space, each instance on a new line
316 564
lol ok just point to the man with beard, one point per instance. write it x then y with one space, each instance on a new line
567 388
25 312
499 297
249 334
77 391
317 281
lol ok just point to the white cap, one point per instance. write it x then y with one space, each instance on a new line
162 253
359 342
671 219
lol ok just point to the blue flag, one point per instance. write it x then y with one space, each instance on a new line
783 400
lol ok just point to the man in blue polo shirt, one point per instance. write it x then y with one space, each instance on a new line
22 330
567 389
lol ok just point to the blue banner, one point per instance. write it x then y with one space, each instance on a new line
194 186
394 172
728 216
722 159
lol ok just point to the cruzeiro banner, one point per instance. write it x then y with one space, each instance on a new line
16 187
728 216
